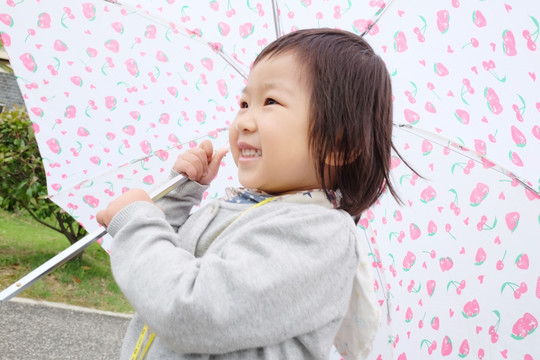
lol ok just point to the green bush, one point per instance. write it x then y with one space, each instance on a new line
24 184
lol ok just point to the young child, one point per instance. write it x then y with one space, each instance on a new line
269 272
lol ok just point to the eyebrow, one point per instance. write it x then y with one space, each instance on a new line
270 86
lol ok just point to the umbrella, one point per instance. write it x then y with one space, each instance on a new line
463 75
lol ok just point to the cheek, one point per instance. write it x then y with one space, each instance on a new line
233 140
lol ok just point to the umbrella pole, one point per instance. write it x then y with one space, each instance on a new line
75 249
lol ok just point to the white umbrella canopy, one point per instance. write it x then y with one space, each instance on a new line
111 85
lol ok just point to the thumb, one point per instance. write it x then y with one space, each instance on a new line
206 145
213 166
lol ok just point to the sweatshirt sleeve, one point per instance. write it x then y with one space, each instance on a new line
178 203
282 272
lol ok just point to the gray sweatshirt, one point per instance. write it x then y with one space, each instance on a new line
273 283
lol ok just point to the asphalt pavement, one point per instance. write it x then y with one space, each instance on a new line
37 330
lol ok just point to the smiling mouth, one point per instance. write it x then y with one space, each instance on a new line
251 153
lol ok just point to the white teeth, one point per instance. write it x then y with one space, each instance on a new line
251 152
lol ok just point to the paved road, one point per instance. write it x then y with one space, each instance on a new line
32 330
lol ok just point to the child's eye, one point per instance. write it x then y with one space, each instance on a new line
270 101
243 105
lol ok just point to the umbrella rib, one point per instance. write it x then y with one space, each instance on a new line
77 248
131 162
275 12
186 32
499 168
383 11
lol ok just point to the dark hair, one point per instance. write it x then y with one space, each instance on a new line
350 112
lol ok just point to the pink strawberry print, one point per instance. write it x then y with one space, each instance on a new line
148 180
207 63
361 25
524 326
129 130
89 11
54 145
37 111
59 45
146 147
118 27
222 88
440 69
480 146
414 231
408 261
5 39
509 43
160 56
246 30
512 220
515 158
28 62
6 19
427 147
432 228
462 116
214 4
480 256
430 107
443 20
91 201
446 347
400 42
518 137
428 194
71 112
536 131
95 160
430 286
82 131
224 28
76 80
132 67
150 32
522 261
492 99
479 19
112 45
91 52
408 315
110 102
538 288
479 193
464 349
446 263
435 323
44 21
471 309
411 117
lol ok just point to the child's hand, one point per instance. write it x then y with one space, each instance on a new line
200 164
104 217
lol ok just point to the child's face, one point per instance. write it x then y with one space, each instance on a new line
269 136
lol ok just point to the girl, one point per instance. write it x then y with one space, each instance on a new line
276 269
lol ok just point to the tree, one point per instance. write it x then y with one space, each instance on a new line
24 184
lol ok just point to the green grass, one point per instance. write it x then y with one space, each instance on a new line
25 244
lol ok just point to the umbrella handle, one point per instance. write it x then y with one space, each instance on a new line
77 248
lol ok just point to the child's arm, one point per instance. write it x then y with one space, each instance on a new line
279 272
200 165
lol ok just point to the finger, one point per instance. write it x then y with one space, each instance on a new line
208 148
213 167
101 218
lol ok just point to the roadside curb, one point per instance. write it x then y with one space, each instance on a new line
70 307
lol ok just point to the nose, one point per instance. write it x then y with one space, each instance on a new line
245 121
